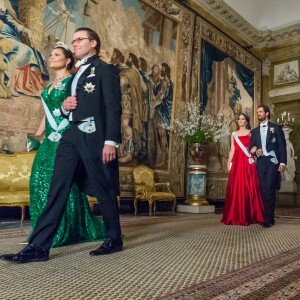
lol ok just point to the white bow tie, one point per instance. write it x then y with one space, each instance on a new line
264 125
81 62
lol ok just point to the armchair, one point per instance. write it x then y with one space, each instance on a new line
147 190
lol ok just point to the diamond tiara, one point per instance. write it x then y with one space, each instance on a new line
62 45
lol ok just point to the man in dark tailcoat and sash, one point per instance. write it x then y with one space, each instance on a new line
269 145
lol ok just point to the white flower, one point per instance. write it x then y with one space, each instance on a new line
206 126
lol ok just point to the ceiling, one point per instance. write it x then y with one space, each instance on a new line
267 14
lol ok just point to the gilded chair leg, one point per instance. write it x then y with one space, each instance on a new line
154 208
22 214
174 205
135 206
150 208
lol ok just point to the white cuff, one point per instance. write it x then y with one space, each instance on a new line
65 112
112 143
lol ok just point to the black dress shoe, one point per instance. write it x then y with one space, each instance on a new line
108 247
29 254
266 225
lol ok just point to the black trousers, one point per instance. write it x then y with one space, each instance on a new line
268 182
69 157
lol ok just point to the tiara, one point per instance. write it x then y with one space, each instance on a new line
61 45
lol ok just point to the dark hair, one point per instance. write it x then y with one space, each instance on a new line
247 118
143 64
68 54
135 60
92 36
119 55
266 110
167 69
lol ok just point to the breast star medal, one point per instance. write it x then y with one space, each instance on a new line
89 87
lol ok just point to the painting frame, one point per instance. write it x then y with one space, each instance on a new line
285 73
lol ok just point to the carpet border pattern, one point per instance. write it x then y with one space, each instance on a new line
221 287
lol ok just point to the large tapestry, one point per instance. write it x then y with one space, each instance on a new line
151 43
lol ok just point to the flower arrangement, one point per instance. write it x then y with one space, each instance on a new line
201 127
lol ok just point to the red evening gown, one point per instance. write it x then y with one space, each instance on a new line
243 203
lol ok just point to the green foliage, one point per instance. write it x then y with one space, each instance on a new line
199 137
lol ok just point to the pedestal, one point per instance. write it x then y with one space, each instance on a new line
195 209
196 182
196 185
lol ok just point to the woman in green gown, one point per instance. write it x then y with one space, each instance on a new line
78 223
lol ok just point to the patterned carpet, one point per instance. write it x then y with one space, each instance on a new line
165 257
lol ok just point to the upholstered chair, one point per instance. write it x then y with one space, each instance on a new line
147 190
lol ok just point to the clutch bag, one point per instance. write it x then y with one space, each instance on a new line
33 142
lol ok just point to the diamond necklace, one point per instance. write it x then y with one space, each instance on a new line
61 78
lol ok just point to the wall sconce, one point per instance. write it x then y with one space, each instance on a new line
87 9
286 120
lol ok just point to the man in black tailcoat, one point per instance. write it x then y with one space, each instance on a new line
87 150
269 145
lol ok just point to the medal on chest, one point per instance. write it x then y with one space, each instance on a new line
89 87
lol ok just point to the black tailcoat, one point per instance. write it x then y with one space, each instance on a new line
267 167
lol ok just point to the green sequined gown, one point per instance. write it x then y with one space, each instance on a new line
78 224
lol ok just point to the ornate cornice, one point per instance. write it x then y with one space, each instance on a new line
252 36
269 38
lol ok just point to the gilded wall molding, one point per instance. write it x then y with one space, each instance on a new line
252 36
183 77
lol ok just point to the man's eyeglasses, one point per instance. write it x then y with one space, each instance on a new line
78 40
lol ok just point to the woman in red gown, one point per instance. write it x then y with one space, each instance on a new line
243 203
